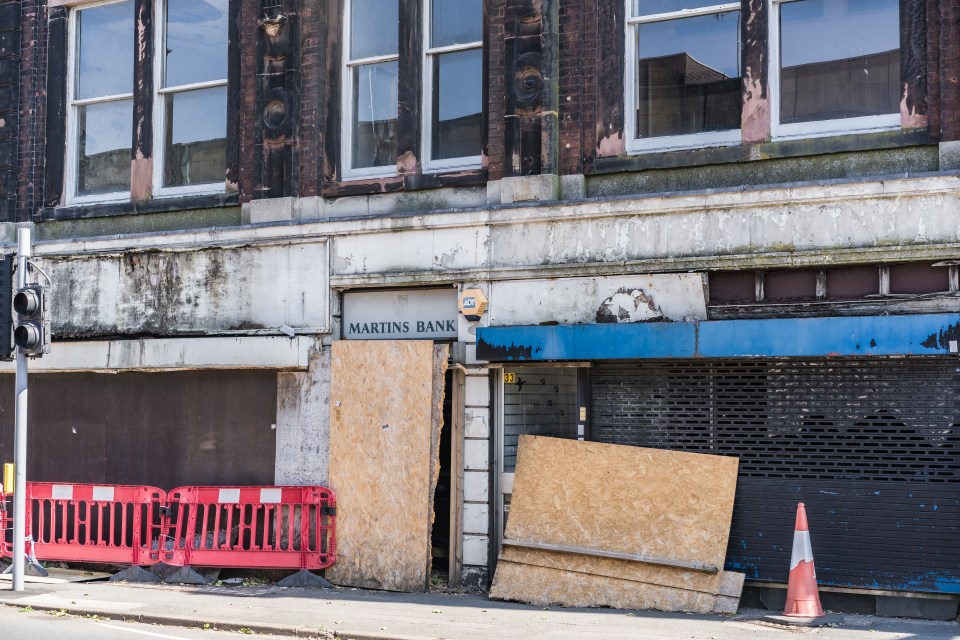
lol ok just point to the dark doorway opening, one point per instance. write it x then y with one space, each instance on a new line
440 535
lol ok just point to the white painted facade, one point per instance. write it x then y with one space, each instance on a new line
231 298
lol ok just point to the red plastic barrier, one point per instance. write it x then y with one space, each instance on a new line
93 523
6 527
254 527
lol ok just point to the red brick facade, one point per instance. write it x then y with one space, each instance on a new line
588 90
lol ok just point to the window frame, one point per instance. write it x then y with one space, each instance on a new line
348 172
634 145
427 71
159 94
816 128
71 171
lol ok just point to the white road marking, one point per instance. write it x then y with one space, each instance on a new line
143 633
56 601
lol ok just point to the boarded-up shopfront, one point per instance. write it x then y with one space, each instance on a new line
856 417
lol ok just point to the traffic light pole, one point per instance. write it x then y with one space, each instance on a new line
20 439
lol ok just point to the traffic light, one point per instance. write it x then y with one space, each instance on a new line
6 306
32 333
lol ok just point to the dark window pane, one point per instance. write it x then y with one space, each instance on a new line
839 59
105 63
727 287
105 132
196 41
651 7
918 277
852 282
375 115
688 75
195 149
790 284
457 92
374 28
456 22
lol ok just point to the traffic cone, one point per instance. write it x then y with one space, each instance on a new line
803 599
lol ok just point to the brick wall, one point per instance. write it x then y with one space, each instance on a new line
572 49
948 45
313 28
249 14
10 53
933 66
589 57
496 83
580 74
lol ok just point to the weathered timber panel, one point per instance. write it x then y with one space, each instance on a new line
627 500
547 585
206 291
383 460
161 429
663 505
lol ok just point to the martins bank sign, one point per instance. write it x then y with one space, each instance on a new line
403 314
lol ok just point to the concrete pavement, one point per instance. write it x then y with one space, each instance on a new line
375 615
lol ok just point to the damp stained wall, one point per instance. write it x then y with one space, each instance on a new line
194 290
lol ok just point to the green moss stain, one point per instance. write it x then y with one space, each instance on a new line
139 223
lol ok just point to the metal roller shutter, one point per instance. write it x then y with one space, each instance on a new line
871 446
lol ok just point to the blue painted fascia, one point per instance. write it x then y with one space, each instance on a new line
926 334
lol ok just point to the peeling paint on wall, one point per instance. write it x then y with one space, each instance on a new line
909 117
913 63
191 292
662 296
407 164
628 305
612 145
755 117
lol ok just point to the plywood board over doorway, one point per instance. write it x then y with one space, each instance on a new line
594 524
385 421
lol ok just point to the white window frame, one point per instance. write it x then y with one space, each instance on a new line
447 164
667 143
160 112
818 128
346 118
72 155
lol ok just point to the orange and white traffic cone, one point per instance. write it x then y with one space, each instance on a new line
803 599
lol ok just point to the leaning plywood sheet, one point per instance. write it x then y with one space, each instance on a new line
668 511
546 586
383 428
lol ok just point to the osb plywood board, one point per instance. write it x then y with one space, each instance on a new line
625 499
615 568
384 428
546 586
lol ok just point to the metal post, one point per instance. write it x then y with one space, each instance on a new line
20 438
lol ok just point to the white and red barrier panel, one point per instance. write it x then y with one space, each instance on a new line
246 527
6 524
92 523
255 527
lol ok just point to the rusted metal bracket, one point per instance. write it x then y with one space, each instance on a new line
600 553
